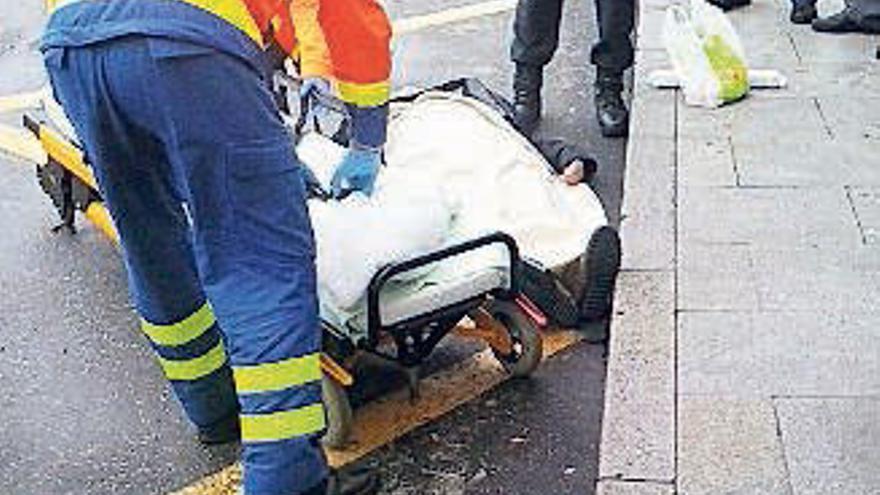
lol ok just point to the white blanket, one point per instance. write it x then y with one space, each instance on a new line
456 170
497 179
405 217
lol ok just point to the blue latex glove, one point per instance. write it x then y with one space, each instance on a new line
356 172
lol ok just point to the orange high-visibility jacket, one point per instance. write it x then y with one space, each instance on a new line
348 42
345 41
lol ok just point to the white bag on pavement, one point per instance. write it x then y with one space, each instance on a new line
706 54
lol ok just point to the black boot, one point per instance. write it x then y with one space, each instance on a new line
803 13
611 112
352 481
726 5
841 22
224 431
527 81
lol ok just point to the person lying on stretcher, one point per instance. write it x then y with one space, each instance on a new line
456 143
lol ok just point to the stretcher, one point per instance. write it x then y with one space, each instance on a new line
399 322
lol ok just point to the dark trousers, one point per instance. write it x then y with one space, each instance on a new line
167 123
536 33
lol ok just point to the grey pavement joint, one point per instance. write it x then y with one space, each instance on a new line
611 487
865 203
832 444
763 354
729 446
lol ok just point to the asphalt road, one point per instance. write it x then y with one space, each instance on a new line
84 408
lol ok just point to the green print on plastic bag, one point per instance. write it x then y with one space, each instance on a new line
728 67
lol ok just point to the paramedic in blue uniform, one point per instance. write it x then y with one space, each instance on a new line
536 37
170 100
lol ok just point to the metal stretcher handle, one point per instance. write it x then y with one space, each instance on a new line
82 187
377 283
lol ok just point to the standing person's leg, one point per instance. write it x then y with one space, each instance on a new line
535 38
612 55
233 161
135 180
255 250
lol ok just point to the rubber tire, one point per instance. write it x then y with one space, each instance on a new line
524 332
339 415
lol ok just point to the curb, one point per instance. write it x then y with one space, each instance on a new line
637 450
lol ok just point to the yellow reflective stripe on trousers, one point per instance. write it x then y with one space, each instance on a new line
182 332
270 377
195 368
234 12
364 95
282 425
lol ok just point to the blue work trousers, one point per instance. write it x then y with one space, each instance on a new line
203 184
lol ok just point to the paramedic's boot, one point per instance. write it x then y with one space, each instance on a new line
611 112
225 431
527 82
359 481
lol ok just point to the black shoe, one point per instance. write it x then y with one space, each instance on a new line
357 481
527 82
611 112
601 265
841 22
726 5
803 14
224 431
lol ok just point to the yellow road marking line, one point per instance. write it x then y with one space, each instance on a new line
449 16
388 418
21 143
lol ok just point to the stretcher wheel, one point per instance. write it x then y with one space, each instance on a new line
528 348
337 409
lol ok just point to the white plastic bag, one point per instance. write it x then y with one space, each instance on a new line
706 54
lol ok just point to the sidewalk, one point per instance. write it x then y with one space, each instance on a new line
745 353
